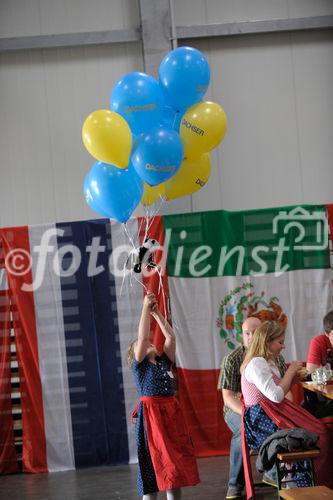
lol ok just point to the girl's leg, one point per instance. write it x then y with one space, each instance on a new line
149 496
174 494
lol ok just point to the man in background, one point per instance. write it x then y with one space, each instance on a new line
319 354
320 345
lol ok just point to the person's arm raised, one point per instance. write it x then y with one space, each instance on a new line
144 327
170 337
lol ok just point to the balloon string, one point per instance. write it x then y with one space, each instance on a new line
161 289
162 201
150 216
128 234
123 279
147 218
137 239
132 274
141 282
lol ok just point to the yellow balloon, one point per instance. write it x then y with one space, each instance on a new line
191 176
202 128
107 137
152 193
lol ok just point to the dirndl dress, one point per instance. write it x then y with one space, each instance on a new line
262 417
166 457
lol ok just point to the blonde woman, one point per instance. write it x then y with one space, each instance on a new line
266 408
165 451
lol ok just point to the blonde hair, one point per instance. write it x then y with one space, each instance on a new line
130 353
263 335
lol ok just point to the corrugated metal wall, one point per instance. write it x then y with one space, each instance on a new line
277 90
48 17
226 11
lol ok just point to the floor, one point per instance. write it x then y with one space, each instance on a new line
116 483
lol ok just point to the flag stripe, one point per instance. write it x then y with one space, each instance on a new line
34 457
8 457
93 439
52 357
202 405
3 280
109 353
329 209
195 307
221 243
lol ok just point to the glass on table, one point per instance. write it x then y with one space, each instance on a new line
317 376
325 376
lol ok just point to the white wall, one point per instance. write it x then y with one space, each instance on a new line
45 95
277 90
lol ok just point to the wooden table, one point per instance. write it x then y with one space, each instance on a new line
312 493
323 390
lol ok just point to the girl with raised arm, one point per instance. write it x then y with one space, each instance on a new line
165 450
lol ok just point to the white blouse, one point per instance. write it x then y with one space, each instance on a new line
260 373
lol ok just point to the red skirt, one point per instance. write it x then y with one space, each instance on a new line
170 446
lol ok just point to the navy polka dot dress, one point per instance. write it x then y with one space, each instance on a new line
151 380
258 426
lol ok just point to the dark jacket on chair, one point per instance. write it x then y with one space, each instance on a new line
281 441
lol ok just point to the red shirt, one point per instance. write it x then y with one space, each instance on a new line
318 349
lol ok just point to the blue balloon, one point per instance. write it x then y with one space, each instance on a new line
113 192
137 97
90 198
184 76
158 155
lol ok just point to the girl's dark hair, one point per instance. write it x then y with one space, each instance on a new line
328 322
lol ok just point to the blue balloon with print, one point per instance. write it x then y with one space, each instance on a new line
138 98
158 155
115 192
184 76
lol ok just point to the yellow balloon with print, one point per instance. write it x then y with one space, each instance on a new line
202 128
107 137
191 176
152 193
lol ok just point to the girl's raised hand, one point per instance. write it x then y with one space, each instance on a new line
150 301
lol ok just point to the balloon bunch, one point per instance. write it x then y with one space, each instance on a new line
156 138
